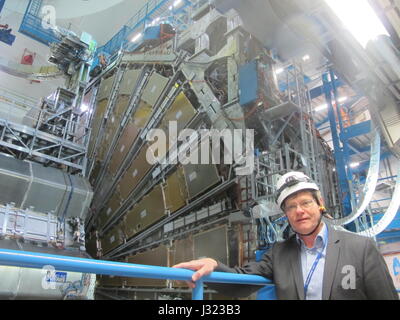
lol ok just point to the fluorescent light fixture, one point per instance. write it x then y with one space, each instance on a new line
359 18
84 107
321 107
136 37
354 164
155 21
177 3
279 71
324 106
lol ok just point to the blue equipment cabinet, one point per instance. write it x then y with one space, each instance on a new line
248 83
7 37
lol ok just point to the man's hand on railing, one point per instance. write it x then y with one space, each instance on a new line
202 267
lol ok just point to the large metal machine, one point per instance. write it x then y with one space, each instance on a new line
225 90
45 197
214 75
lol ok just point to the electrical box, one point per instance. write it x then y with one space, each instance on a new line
248 83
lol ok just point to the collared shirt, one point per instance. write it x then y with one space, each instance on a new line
308 256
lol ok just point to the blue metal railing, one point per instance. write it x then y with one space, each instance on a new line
63 263
135 24
31 24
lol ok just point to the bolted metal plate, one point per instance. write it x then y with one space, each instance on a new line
181 251
81 196
124 145
155 257
112 239
200 177
104 146
136 171
212 243
47 190
142 114
153 208
181 111
154 88
105 88
109 209
175 191
119 109
129 81
131 219
96 123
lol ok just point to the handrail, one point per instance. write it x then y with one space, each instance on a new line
36 260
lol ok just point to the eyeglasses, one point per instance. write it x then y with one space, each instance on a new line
306 204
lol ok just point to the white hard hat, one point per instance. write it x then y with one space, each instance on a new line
291 183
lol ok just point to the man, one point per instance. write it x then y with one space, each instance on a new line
318 262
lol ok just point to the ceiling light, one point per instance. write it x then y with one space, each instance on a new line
177 3
324 106
155 21
354 164
306 57
136 37
84 107
321 107
279 71
359 18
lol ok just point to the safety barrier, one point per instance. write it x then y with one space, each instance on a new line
63 263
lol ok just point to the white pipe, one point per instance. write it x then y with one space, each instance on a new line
390 213
370 182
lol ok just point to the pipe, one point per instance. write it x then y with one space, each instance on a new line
27 259
198 291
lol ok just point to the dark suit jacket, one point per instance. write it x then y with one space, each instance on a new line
282 265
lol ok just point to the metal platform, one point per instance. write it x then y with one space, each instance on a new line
31 143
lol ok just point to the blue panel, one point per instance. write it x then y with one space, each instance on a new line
389 237
267 293
31 26
319 91
248 83
395 224
7 37
2 4
356 130
259 254
152 33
